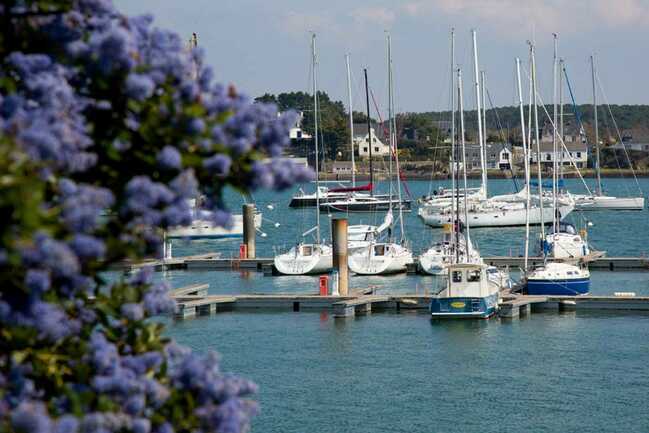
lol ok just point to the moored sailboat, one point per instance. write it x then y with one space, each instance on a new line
385 257
470 292
308 258
553 277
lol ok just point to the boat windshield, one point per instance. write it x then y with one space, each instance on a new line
307 250
379 250
567 228
457 276
473 276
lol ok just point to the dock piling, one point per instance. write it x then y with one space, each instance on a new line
249 230
339 233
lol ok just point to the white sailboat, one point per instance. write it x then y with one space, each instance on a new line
309 258
598 200
553 277
385 257
202 227
499 211
454 247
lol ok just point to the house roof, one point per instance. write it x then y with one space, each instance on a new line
360 129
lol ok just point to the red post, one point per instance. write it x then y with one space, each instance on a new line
243 251
324 285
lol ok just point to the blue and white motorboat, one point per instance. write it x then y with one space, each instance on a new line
470 293
558 279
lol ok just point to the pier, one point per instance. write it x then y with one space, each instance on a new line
194 301
214 262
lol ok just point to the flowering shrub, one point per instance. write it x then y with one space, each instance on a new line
107 126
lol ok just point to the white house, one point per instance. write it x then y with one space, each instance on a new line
341 167
296 133
362 141
499 156
577 150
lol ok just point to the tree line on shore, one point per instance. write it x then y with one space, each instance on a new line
424 136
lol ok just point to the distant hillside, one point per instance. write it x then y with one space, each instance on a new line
631 119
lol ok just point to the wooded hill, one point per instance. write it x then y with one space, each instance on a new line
422 135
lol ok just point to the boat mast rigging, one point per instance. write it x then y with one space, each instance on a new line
466 205
481 141
369 131
351 120
315 112
526 163
597 156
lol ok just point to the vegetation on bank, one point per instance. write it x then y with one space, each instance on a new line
108 126
422 135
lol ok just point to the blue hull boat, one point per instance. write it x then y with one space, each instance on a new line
464 307
566 287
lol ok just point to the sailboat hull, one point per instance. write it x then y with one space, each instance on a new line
367 263
206 229
295 262
585 203
494 218
564 287
364 206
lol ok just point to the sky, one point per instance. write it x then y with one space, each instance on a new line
264 45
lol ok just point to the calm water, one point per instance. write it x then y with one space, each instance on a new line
392 372
618 233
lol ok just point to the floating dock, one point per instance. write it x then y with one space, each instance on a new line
194 301
214 262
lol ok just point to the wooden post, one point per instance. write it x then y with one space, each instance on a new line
339 231
249 230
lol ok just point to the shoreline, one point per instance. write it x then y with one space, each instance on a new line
492 174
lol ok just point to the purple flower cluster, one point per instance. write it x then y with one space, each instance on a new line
46 116
122 124
153 204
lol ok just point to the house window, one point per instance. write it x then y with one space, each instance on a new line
365 149
506 156
548 157
578 154
376 149
299 134
457 276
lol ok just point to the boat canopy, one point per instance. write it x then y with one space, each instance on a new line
368 187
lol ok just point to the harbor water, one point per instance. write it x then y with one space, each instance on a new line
403 372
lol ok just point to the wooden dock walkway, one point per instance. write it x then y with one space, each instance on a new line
194 300
214 262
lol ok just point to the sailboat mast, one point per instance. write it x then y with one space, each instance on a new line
463 144
315 134
390 129
484 115
561 117
394 139
597 159
555 223
369 132
476 76
526 164
538 140
351 119
453 162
